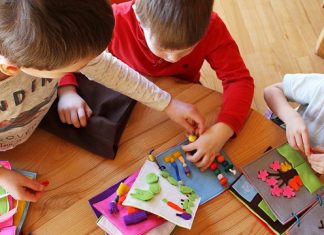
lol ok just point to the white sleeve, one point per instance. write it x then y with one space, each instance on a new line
303 88
113 73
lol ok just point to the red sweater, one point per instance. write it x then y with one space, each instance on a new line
217 47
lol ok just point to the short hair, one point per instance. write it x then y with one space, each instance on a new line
50 34
175 24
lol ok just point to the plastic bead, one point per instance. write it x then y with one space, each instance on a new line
213 166
217 172
192 138
220 158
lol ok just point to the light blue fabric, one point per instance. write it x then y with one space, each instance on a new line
205 184
245 189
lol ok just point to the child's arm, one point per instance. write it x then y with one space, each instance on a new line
238 88
113 73
316 159
296 129
19 186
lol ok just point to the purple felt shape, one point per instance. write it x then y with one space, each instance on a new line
135 218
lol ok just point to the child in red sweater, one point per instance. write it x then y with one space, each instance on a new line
173 38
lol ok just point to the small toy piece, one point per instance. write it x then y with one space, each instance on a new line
121 190
222 180
185 216
164 174
132 210
175 167
155 188
213 166
135 218
45 183
173 205
192 138
172 181
185 189
184 164
152 158
152 178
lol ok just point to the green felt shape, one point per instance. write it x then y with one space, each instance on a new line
307 175
266 209
164 174
192 197
152 178
142 195
291 155
155 188
189 211
185 189
4 202
172 181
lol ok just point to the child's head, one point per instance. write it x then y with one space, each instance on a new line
172 28
48 38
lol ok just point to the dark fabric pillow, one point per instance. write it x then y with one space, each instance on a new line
104 128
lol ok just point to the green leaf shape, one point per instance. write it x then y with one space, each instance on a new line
155 188
152 178
142 195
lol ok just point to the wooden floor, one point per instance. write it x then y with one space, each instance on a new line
275 37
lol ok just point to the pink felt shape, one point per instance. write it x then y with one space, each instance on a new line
8 230
288 192
276 191
117 219
271 181
263 174
7 219
275 165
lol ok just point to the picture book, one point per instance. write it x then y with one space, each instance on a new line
246 194
157 192
311 222
208 184
285 182
114 223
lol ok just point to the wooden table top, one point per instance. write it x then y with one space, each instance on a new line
76 175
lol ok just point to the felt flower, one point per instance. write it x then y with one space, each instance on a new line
288 192
275 165
271 181
276 191
263 174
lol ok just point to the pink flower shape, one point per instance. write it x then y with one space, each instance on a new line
275 165
263 174
276 191
271 181
288 192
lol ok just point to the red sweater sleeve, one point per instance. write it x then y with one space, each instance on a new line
238 86
68 79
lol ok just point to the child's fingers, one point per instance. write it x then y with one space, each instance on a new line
187 125
33 185
88 111
62 117
318 169
307 146
75 118
82 117
316 158
199 121
31 196
318 149
196 157
299 142
189 147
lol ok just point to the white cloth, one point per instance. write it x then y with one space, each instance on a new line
308 91
24 101
113 73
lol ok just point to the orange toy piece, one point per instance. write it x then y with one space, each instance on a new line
220 158
132 210
121 199
295 183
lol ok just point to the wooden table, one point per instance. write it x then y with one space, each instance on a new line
76 175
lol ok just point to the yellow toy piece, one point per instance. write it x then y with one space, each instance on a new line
285 166
169 159
151 158
192 138
177 154
122 189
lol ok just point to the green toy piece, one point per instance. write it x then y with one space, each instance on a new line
155 188
185 189
164 174
192 197
152 178
172 181
188 210
142 195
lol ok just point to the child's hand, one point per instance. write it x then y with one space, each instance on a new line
19 186
316 159
186 115
297 134
208 145
72 108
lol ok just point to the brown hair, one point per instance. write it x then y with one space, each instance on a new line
175 24
49 34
